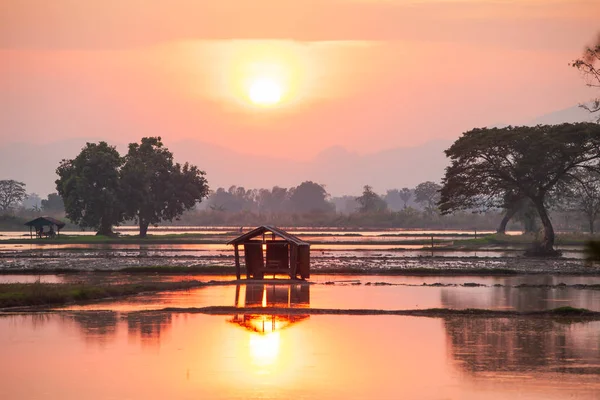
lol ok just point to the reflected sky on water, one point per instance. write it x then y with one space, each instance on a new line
101 355
349 295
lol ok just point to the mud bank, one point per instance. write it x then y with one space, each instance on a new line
560 313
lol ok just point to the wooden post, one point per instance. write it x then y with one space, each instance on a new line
237 262
293 261
30 232
237 295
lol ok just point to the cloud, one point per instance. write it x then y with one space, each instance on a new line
114 24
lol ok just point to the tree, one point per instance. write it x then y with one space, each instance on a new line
370 201
345 204
428 194
405 195
397 199
90 187
235 199
512 203
32 202
53 204
527 214
272 201
583 195
155 188
487 164
591 73
11 194
309 197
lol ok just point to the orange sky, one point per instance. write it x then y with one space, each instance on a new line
364 74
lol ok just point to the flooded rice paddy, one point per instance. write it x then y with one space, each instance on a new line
392 234
362 257
271 343
372 294
129 349
330 250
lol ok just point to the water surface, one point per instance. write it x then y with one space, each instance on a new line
355 296
111 355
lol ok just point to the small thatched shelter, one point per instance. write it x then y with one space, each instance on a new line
270 250
41 222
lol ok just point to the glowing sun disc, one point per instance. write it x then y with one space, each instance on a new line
265 92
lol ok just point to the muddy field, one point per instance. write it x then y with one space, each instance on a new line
326 261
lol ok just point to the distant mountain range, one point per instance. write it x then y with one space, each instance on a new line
341 171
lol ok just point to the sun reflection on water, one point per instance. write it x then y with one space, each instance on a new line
264 350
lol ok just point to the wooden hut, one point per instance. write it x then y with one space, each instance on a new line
270 250
41 222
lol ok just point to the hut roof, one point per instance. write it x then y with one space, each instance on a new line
269 228
45 221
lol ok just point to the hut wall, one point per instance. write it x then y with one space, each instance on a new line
253 255
277 256
304 261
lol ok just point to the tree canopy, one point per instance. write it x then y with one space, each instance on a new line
583 196
309 197
100 189
428 194
155 188
370 201
53 204
487 164
90 187
11 193
405 194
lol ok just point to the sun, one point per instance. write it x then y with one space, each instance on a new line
265 91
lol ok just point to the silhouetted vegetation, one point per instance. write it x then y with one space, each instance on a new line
90 187
101 189
155 188
12 193
371 202
587 65
46 294
529 162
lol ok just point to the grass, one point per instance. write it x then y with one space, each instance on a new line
53 294
568 311
127 239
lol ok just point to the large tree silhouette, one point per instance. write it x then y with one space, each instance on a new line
488 164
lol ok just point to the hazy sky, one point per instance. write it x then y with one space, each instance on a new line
364 74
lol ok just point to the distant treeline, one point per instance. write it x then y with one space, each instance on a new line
309 204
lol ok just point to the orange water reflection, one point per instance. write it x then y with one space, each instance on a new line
330 357
349 296
265 338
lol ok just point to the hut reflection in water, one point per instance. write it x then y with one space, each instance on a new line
271 296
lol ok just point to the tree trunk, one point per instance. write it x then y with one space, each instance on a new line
105 228
546 247
591 221
143 228
510 212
